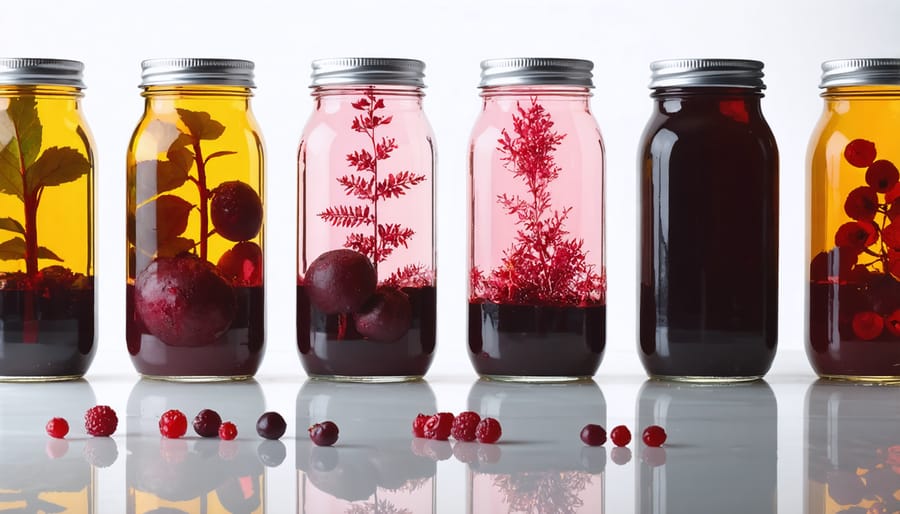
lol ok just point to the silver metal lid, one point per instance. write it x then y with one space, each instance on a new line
28 71
200 72
860 72
707 73
341 71
536 71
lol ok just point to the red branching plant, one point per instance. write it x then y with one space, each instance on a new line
543 492
380 240
543 265
376 507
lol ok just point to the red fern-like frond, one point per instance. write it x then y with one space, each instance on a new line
348 216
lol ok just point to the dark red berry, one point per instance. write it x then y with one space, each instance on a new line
867 325
892 323
620 435
593 435
173 424
340 281
418 426
227 431
324 433
439 426
100 421
242 265
488 431
882 175
464 426
620 455
184 301
860 153
891 236
207 423
862 204
57 428
892 194
271 425
386 317
654 436
855 236
236 211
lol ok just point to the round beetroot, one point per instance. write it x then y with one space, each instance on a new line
387 316
183 301
340 281
236 211
242 265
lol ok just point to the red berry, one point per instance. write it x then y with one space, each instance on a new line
324 433
386 317
173 424
593 435
271 425
882 175
464 426
891 236
855 236
236 211
620 436
867 325
488 431
100 421
418 427
57 428
207 423
862 204
892 194
242 265
654 435
892 323
860 153
439 426
227 431
340 281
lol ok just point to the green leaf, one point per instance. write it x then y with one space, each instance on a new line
161 220
20 137
200 124
175 246
45 253
221 153
12 225
14 249
55 166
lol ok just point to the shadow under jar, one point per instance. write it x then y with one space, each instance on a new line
537 291
47 303
709 224
194 292
366 303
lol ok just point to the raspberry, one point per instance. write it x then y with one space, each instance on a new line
464 425
488 431
271 425
324 433
654 436
438 426
57 428
418 426
207 423
227 431
593 435
101 421
620 436
172 424
867 325
862 204
860 153
882 175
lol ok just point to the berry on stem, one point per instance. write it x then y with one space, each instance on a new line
882 175
57 428
860 153
207 423
620 435
271 425
593 435
100 421
862 204
654 436
173 424
227 431
236 211
464 425
488 431
324 433
439 426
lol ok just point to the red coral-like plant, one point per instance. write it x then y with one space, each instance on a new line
543 265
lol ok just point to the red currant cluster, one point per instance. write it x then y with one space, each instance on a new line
467 427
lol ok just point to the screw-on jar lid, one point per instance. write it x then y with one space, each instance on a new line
707 73
28 71
536 71
346 71
199 72
860 72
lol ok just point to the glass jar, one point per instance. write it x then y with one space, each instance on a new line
537 291
47 304
195 223
854 278
366 301
709 224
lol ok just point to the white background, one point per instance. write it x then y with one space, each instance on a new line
792 38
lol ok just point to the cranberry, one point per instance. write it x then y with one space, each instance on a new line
882 175
867 325
236 211
242 265
324 433
387 316
855 236
891 236
654 436
439 426
172 424
207 423
418 427
862 204
593 435
620 455
340 281
184 301
271 425
464 425
620 435
271 453
488 431
227 431
100 421
860 153
892 323
57 428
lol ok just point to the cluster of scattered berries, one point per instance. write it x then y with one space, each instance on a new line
467 426
595 435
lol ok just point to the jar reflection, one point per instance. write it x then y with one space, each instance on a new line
721 454
192 475
42 474
538 466
852 449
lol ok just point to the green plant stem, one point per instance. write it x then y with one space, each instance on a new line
204 198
